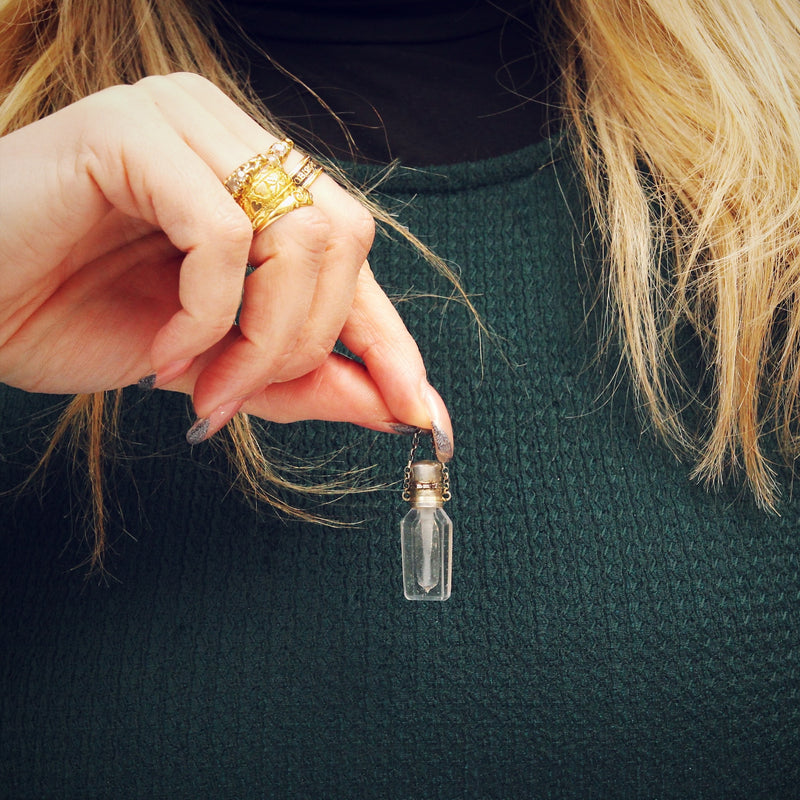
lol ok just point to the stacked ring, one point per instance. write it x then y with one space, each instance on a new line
264 190
306 173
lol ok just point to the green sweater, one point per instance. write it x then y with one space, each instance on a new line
614 630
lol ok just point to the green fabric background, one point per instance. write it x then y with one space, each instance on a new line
614 630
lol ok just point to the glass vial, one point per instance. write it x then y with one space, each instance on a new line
426 534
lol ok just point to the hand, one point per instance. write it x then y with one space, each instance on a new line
122 255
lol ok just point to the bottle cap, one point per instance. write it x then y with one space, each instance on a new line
426 486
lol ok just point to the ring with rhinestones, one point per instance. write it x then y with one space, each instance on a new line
264 190
237 181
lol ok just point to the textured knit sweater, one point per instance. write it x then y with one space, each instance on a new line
614 631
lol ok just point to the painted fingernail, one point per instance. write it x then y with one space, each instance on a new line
147 383
205 427
199 431
442 442
402 429
440 423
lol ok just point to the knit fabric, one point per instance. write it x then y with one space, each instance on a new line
614 630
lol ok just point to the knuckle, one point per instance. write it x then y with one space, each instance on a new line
362 228
154 89
162 89
184 76
115 103
214 328
301 360
149 82
191 82
308 352
315 352
372 350
111 118
309 229
180 78
230 224
317 229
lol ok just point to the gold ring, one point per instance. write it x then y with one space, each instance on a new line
270 194
237 181
307 172
263 189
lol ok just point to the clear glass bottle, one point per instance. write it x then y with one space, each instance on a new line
426 534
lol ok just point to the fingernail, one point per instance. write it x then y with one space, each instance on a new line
402 429
205 427
442 443
199 431
147 383
440 423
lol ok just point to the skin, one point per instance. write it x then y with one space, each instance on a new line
122 255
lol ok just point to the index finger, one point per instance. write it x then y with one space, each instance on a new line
376 334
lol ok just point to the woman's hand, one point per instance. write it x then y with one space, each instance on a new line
123 255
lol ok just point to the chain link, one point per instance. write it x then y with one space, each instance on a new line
407 470
445 483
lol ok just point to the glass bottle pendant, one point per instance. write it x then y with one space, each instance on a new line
426 534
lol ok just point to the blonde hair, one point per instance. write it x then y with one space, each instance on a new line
687 114
688 118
